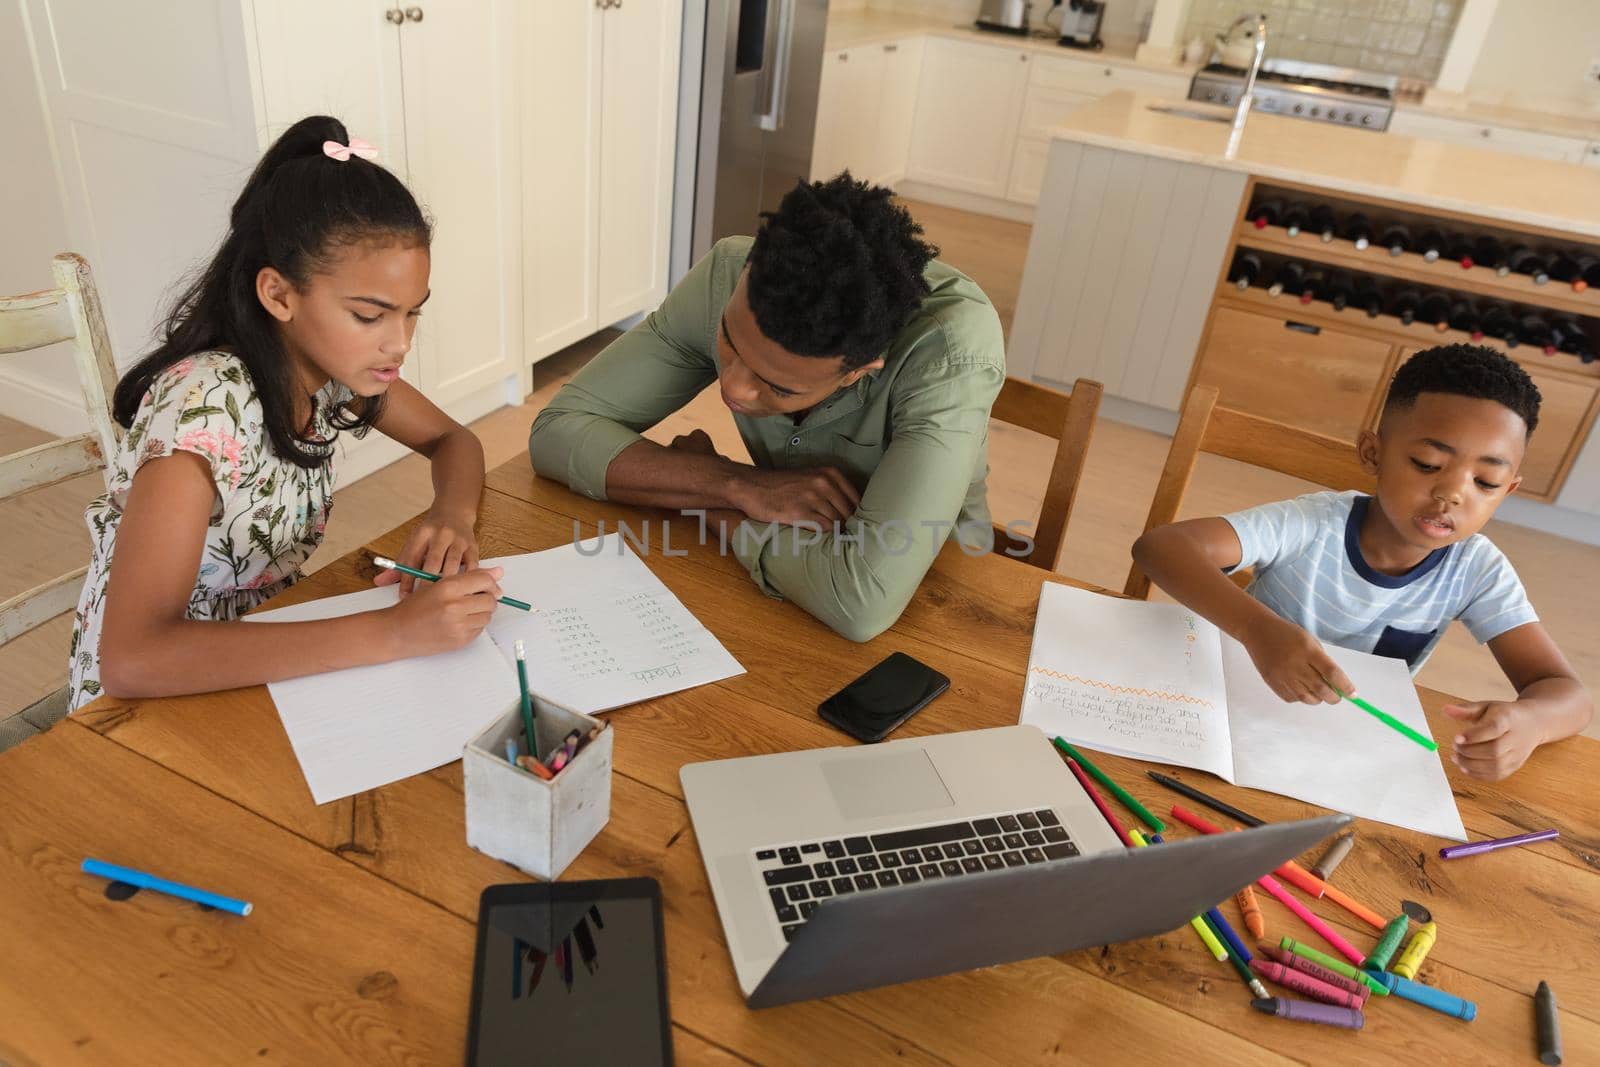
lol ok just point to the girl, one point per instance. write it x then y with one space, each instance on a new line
223 482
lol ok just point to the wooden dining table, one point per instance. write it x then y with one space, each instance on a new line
360 947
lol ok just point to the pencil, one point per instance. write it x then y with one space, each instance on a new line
527 700
390 565
1207 799
1392 722
1116 790
1094 795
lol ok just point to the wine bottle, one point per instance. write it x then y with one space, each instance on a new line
1431 244
1404 305
1245 270
1266 213
1464 317
1488 252
1338 290
1525 260
1396 238
1572 339
1498 322
1358 229
1458 246
1563 267
1588 271
1291 279
1316 280
1534 330
1435 311
1295 217
1323 222
1367 297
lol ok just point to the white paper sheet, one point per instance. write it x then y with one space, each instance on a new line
1124 676
604 631
1337 755
361 728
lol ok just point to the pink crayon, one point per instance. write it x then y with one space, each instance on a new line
1314 970
1304 983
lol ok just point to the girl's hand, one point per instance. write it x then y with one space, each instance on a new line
445 615
440 544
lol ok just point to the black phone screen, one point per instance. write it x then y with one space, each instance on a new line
570 972
883 698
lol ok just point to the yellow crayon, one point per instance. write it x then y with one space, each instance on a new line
1410 960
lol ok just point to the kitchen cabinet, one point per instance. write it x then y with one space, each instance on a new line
1483 135
865 109
968 107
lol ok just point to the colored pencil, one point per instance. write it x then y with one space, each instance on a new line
1205 798
1116 790
1094 795
390 565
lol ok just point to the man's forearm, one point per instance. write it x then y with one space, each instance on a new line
646 473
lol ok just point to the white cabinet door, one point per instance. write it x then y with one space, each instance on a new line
1479 135
848 114
560 69
967 110
1591 155
897 107
638 139
463 162
1027 170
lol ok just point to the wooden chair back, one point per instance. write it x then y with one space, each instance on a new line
69 312
1206 427
1069 420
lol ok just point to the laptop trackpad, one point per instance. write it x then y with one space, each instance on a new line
890 784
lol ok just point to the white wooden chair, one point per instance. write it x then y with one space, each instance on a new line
69 312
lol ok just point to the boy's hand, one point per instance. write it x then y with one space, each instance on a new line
440 544
1294 664
1499 737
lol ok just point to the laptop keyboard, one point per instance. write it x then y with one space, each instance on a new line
799 876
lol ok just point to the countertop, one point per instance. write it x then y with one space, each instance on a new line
1429 174
853 29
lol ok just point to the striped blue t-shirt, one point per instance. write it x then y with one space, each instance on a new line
1306 554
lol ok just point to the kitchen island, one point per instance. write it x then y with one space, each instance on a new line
1158 261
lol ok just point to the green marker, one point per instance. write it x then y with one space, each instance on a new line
1392 722
1305 952
1116 790
390 565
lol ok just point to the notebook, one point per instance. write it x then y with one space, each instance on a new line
604 632
1158 682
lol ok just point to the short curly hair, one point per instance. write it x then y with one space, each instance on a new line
1475 371
837 270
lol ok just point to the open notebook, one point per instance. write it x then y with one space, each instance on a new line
604 632
1158 682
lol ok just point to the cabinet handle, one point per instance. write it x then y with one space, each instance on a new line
1485 132
394 15
1024 58
891 48
844 57
1302 327
414 14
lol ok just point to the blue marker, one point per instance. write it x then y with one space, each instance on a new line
1427 996
1228 934
161 885
511 751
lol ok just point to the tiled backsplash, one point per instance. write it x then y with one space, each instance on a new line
1404 37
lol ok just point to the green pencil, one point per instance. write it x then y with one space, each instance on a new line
390 565
1116 790
1391 722
527 700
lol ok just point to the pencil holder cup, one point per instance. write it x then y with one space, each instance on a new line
535 825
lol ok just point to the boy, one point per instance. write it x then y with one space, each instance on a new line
1387 574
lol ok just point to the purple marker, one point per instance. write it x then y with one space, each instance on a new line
1472 848
1307 1011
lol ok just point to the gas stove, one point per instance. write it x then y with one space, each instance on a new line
1305 91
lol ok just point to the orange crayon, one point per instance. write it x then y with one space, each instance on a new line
1251 911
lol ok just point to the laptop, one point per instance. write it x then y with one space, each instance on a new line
839 869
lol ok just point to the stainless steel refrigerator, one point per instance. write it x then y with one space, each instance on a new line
748 143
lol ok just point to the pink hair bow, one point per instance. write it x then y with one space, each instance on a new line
343 152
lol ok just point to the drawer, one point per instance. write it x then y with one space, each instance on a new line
1045 108
1077 75
1306 375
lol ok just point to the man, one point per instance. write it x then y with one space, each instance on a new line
860 372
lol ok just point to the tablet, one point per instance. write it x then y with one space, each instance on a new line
570 972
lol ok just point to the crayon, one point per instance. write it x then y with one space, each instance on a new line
1384 950
1289 944
1544 1008
1304 984
1309 1011
1410 960
1428 997
1325 975
1334 856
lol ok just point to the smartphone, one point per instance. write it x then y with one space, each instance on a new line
870 707
570 972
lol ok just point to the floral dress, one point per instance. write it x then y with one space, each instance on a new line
268 515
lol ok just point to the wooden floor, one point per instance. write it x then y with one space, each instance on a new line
44 533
